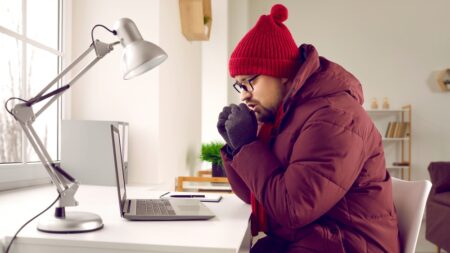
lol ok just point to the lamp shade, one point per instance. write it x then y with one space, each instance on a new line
139 55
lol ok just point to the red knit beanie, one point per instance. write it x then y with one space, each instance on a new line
267 49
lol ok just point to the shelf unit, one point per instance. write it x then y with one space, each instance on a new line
196 19
209 184
204 181
397 149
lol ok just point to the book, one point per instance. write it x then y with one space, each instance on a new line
392 129
398 125
403 130
202 196
386 135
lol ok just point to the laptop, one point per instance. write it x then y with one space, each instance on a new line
152 209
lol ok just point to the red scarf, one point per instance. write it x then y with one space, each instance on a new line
259 218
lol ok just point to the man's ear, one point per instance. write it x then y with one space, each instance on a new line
286 84
284 80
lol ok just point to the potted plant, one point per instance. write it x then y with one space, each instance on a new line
211 153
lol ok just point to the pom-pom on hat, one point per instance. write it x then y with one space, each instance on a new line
267 49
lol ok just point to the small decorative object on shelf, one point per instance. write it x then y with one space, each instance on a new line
385 105
444 80
374 104
206 21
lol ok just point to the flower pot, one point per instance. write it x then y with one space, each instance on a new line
218 170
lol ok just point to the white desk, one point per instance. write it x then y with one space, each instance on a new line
229 231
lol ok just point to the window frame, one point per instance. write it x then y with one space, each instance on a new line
24 174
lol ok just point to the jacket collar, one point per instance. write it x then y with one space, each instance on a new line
309 64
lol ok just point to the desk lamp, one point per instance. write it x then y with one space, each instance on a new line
138 57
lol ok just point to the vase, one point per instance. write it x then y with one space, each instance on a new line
218 170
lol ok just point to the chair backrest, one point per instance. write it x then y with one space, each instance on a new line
410 198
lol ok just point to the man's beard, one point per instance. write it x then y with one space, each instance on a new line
266 116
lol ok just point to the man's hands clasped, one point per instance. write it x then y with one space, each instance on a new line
237 125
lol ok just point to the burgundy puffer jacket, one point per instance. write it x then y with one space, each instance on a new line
323 180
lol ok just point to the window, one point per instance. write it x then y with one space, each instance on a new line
30 46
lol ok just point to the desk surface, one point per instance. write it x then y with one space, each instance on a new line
227 232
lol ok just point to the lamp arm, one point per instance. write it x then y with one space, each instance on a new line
23 113
101 49
58 77
43 155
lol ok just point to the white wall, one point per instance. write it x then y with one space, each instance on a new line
230 23
238 26
162 106
215 71
102 94
393 48
180 98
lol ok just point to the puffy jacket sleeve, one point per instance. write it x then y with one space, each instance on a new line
325 161
237 185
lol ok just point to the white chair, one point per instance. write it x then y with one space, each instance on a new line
410 198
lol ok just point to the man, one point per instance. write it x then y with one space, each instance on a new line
302 150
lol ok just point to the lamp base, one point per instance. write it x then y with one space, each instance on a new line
73 222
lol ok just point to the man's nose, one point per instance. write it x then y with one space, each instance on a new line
245 95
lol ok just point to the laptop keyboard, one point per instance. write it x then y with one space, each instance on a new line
154 207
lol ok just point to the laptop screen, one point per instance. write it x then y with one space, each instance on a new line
118 162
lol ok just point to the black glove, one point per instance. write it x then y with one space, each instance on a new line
223 116
241 126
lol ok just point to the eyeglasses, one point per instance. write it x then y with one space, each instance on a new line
246 85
